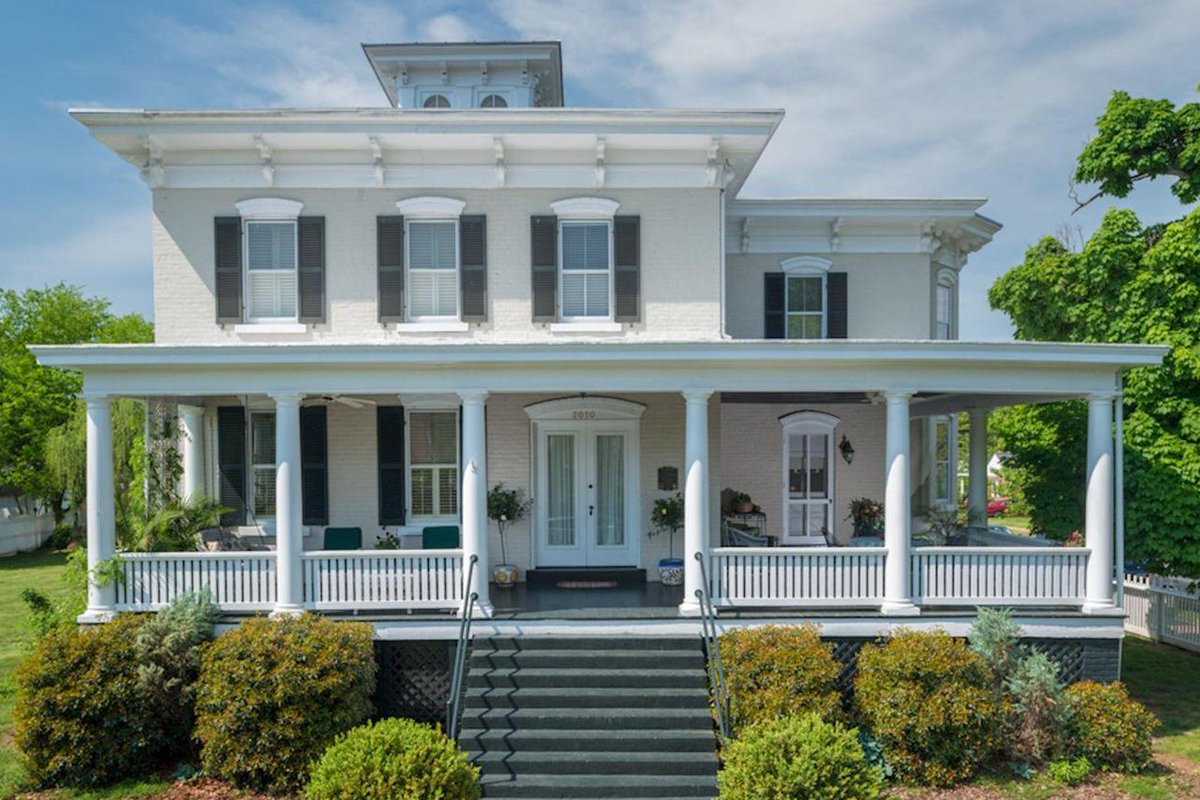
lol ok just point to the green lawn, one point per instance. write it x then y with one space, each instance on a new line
1167 680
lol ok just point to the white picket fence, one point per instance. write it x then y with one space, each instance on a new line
238 581
800 577
383 579
1013 576
1163 609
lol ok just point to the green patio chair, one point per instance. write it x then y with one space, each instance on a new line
439 537
343 539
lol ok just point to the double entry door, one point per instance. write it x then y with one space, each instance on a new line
587 494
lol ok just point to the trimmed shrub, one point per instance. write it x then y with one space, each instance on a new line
393 758
930 702
274 693
168 649
778 670
80 717
797 757
1108 727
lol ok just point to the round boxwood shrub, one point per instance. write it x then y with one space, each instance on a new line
797 757
274 693
1109 728
930 702
778 670
393 758
80 719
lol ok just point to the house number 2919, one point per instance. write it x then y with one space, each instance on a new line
583 415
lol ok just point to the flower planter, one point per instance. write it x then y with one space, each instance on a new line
670 571
505 575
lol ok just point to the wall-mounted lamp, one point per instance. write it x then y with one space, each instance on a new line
847 449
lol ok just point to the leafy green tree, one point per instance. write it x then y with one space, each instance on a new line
1129 283
1140 138
34 400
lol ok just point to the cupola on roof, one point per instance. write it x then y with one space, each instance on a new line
469 74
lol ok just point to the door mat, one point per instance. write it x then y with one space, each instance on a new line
585 585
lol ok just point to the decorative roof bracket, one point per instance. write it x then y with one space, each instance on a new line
377 158
600 148
266 157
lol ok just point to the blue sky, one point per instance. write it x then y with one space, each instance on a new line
887 98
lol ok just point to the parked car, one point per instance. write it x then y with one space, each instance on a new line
997 506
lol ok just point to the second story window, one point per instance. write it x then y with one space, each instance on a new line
271 270
432 269
943 323
586 261
806 306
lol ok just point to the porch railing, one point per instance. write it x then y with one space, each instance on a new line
383 579
973 576
799 577
238 581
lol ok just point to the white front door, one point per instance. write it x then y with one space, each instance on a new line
586 511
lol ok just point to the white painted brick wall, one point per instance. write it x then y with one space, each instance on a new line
680 262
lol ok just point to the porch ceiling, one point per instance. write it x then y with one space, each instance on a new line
996 369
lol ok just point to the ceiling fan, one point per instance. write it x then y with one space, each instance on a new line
351 402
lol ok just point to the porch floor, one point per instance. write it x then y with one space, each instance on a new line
642 601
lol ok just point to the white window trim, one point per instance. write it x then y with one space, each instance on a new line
809 422
428 319
431 519
452 326
951 500
269 209
948 279
787 311
587 324
806 265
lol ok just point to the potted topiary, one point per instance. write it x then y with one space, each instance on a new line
506 506
668 518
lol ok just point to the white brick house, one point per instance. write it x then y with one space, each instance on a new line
368 317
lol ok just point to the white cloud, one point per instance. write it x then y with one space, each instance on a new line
892 97
109 255
447 28
277 56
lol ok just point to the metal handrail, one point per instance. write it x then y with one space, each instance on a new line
460 654
716 670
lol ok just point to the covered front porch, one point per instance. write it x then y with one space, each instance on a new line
545 417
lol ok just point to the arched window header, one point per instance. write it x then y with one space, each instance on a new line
809 264
585 208
947 276
432 207
811 420
269 208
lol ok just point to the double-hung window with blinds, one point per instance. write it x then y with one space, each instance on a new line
271 269
432 270
433 463
586 260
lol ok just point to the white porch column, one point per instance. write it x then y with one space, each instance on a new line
474 495
191 450
289 542
695 497
897 509
1098 512
101 516
977 468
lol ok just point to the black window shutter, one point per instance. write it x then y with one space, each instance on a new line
836 299
774 305
389 425
311 235
472 248
314 466
389 241
544 259
231 463
228 261
627 265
